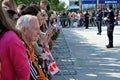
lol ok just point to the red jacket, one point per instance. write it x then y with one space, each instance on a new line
14 65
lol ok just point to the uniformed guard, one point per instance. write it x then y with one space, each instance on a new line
99 15
110 26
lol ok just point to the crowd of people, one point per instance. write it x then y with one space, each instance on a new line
25 31
68 18
101 17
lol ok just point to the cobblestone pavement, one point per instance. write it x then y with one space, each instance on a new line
82 55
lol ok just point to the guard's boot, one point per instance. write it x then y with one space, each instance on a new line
110 45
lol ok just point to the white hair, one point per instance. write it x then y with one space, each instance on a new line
24 21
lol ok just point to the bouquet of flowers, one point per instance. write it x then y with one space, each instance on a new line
56 30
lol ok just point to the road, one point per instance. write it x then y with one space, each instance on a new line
89 58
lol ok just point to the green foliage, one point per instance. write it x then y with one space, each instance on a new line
54 4
61 6
27 2
54 37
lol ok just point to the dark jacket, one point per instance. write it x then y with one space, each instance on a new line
99 15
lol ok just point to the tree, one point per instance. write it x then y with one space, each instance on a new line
27 2
61 6
54 4
57 5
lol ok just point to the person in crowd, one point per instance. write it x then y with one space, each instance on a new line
48 14
9 5
99 15
13 16
116 13
33 10
81 19
86 19
105 12
20 8
93 17
110 26
44 26
29 26
69 18
14 59
0 68
73 18
78 18
45 7
90 18
119 17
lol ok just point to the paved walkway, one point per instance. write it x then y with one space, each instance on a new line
91 59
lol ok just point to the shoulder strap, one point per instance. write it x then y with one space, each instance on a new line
27 47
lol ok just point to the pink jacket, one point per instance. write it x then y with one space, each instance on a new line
14 58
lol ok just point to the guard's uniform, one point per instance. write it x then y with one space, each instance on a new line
110 28
99 15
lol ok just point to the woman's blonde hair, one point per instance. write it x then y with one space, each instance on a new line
44 26
10 4
5 24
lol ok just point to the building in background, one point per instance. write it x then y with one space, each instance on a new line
84 5
73 5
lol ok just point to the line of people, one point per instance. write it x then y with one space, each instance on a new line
86 19
24 34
